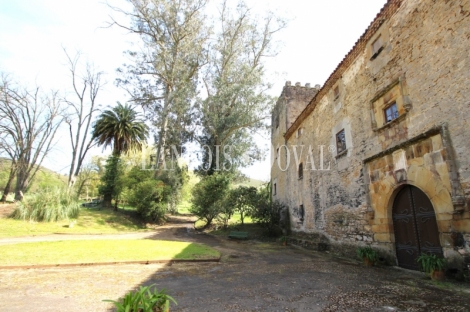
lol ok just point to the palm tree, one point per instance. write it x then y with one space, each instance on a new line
122 129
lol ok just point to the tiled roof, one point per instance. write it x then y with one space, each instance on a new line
388 10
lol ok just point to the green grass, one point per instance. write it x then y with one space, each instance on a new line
94 251
90 221
183 207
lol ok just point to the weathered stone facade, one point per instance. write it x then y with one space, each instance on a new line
422 69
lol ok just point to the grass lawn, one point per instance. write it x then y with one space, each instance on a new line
90 221
93 251
183 207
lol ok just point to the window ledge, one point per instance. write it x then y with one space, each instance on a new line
391 123
374 56
341 154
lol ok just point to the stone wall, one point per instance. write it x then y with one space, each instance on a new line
424 67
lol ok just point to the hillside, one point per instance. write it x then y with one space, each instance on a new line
44 178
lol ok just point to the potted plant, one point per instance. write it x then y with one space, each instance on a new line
368 255
283 240
432 264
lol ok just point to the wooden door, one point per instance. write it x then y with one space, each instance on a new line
415 226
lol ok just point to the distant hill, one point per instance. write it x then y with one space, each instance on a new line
251 182
44 178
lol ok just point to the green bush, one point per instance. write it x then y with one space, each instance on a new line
150 197
367 252
144 300
431 262
49 205
209 197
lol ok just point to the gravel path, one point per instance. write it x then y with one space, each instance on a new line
252 276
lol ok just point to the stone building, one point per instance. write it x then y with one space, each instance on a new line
379 154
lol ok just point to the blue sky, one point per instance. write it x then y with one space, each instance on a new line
33 32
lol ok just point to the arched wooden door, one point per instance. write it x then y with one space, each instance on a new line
415 226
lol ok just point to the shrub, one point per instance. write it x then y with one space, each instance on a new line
209 195
268 215
431 262
144 300
367 252
49 205
150 197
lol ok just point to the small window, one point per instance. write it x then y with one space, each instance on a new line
377 47
340 142
336 92
301 213
277 153
299 132
301 171
277 122
275 189
391 112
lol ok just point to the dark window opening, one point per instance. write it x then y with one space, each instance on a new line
301 171
301 213
377 47
336 92
340 142
275 189
391 112
299 132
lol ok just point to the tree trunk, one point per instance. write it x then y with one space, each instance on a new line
7 189
107 200
21 184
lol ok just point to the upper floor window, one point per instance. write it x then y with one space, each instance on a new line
275 189
276 120
299 132
391 112
336 92
301 171
340 142
377 47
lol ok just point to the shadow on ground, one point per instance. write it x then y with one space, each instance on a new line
251 276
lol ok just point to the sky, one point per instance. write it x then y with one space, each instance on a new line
33 34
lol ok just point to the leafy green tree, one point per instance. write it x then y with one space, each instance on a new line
122 129
209 196
244 199
237 102
163 74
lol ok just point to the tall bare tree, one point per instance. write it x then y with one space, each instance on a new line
8 149
86 87
163 76
30 119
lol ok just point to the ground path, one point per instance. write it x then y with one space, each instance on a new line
252 276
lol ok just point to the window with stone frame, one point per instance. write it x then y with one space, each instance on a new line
389 105
301 171
340 142
391 112
336 92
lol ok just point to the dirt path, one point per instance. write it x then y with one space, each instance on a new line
252 276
